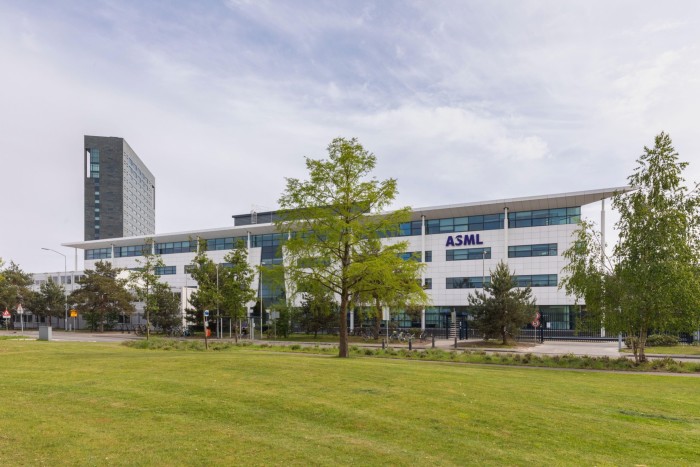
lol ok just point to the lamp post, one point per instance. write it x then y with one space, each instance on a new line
483 269
65 296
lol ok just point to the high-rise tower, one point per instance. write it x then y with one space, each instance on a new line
120 191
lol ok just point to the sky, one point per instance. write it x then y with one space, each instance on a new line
461 101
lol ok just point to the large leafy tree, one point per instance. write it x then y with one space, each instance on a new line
235 280
103 296
334 215
651 281
503 308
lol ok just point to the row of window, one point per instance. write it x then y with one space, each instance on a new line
415 256
542 217
466 254
531 280
526 251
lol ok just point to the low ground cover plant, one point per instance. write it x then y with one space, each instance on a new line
570 361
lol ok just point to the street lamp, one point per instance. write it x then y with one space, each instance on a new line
65 296
483 269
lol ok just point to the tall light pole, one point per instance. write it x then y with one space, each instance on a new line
483 269
65 295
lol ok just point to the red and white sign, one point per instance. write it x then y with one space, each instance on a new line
535 324
20 310
6 314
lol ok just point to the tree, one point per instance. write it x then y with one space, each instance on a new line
317 312
334 216
165 313
651 281
393 281
50 301
102 297
14 286
503 308
235 280
144 281
204 271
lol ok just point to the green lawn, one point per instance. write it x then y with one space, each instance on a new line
97 404
672 350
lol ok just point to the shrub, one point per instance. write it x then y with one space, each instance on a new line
294 347
662 340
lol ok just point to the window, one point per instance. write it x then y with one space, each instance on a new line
527 251
133 250
228 243
165 271
415 256
428 283
536 280
466 282
559 216
468 254
99 253
176 247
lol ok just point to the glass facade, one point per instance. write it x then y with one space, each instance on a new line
176 247
516 220
468 254
165 271
98 253
415 256
226 243
526 251
466 282
536 280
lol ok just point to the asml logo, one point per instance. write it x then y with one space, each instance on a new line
470 239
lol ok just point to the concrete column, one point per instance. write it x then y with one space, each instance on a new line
505 236
422 274
602 245
352 320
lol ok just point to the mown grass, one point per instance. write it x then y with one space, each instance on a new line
100 404
671 350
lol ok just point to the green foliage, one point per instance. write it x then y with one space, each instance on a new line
165 314
14 287
204 271
338 218
502 309
317 311
654 340
651 281
50 302
145 281
235 281
102 297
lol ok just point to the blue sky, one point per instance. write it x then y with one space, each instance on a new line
461 101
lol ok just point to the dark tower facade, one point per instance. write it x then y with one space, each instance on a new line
120 191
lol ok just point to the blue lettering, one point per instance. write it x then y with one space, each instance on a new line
450 242
469 239
459 240
478 240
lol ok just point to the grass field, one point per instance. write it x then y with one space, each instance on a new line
98 404
672 350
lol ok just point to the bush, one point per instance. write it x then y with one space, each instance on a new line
662 340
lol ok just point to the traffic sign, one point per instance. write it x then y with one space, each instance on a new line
73 313
537 316
20 310
6 314
536 323
206 312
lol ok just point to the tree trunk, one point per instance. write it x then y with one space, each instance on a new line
642 345
378 317
343 344
504 335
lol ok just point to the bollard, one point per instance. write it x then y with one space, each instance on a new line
433 336
383 344
410 345
619 342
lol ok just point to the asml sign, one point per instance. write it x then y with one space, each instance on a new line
466 239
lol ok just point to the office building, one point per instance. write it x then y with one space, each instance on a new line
120 191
